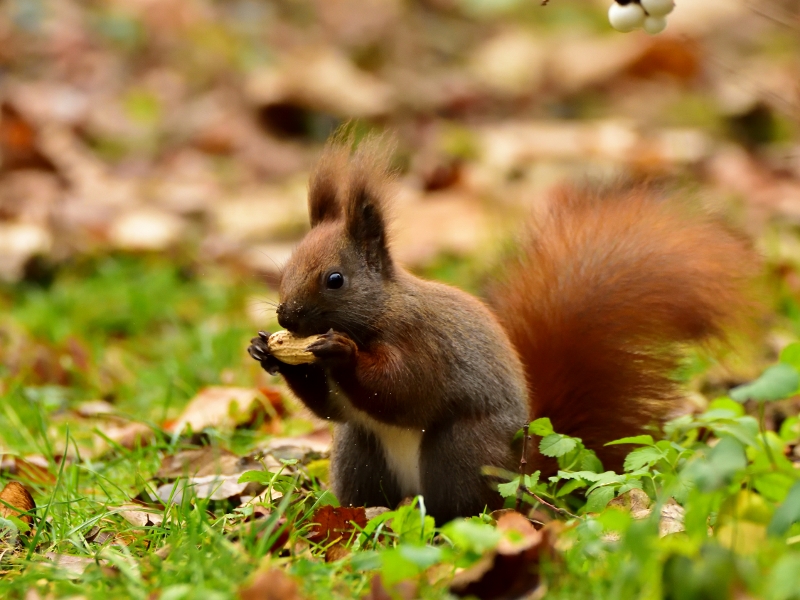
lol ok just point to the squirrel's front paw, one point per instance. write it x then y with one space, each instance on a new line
259 350
333 347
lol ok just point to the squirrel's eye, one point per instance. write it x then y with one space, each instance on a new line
335 281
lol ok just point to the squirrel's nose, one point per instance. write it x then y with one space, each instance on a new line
286 318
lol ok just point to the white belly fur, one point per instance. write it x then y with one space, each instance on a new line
401 450
400 445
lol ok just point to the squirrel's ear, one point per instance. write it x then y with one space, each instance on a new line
324 203
365 214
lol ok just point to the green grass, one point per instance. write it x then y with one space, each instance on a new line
147 335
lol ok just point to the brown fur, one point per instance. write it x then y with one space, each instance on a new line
603 295
609 286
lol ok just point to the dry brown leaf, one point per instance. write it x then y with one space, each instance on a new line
336 552
223 408
266 259
260 214
637 502
19 242
448 221
127 435
33 469
255 527
671 520
15 500
375 511
318 441
271 584
19 143
98 535
323 79
359 23
634 501
96 408
679 58
336 523
41 190
208 460
520 534
74 566
140 515
513 570
583 61
146 229
211 487
86 173
403 590
511 63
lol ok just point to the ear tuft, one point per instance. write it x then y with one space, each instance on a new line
325 186
368 194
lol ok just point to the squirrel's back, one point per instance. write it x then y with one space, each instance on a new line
608 287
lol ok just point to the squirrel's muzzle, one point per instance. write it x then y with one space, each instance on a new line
288 317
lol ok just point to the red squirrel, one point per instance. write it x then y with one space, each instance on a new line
426 384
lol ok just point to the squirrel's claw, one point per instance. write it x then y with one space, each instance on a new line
333 346
259 350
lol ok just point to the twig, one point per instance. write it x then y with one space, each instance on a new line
553 507
523 461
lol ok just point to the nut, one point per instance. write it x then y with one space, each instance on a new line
290 349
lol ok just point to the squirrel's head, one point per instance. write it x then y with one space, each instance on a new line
338 275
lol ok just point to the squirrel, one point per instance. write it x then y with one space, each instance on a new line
426 384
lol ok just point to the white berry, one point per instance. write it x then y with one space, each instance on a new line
658 8
626 18
654 25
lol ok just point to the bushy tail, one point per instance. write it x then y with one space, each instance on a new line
608 287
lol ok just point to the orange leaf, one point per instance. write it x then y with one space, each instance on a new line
15 500
336 522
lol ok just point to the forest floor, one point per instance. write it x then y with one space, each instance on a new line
153 165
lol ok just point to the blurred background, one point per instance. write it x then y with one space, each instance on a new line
154 157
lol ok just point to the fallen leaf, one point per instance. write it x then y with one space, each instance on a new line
140 515
15 501
19 242
33 469
447 221
403 590
19 145
146 229
336 552
98 535
520 534
322 79
127 435
223 408
208 460
634 501
260 214
671 520
271 584
511 571
210 487
74 566
511 63
335 523
318 442
375 511
95 408
255 527
267 260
